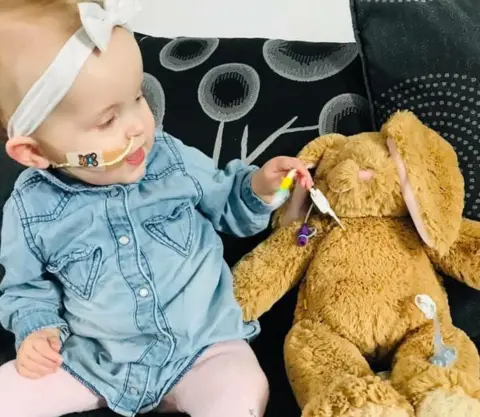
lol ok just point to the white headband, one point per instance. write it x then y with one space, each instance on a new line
56 81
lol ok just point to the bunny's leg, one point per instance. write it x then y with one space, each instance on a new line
331 378
436 391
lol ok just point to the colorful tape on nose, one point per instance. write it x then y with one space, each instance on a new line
96 159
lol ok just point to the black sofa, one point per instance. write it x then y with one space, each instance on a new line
255 98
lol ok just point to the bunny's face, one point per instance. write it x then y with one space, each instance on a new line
359 177
406 169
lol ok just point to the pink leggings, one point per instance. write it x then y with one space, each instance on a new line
236 387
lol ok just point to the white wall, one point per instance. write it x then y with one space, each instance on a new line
310 20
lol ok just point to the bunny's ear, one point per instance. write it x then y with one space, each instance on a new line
431 181
312 153
297 205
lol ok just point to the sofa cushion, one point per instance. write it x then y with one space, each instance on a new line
425 56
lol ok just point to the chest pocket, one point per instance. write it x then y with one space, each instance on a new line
173 228
79 270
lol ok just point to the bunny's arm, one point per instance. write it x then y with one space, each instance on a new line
275 266
462 262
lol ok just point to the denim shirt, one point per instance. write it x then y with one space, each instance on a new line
133 274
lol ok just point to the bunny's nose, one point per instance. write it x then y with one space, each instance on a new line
343 177
365 174
346 176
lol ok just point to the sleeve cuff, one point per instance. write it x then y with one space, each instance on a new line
39 320
253 202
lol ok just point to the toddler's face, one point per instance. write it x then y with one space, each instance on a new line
103 109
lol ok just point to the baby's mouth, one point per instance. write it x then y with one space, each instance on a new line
136 158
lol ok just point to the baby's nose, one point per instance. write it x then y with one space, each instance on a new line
136 130
136 127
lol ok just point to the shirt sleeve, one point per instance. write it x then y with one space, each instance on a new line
227 198
28 302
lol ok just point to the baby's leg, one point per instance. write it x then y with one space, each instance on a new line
51 396
226 381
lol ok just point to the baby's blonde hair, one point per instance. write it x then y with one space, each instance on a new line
65 13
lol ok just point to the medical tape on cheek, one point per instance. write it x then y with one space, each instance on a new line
96 159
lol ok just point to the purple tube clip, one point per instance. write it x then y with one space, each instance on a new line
302 235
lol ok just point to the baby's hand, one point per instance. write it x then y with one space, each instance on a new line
267 180
39 354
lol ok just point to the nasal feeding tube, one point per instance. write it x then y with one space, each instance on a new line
95 159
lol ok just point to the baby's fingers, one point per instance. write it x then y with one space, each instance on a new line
27 373
55 343
29 368
44 348
42 360
305 183
306 179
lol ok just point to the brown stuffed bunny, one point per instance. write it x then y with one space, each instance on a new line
399 193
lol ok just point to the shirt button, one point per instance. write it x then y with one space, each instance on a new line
124 240
143 293
133 391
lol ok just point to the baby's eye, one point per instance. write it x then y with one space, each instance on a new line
108 123
139 97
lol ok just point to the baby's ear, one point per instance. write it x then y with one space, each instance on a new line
26 151
298 203
431 181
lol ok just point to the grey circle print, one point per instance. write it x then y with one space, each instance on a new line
228 92
303 62
449 103
338 108
155 97
186 53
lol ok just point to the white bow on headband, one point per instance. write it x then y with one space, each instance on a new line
56 81
98 22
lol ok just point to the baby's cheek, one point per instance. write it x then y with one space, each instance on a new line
149 119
